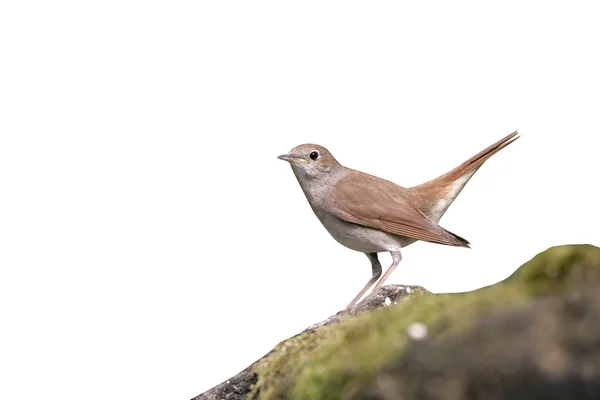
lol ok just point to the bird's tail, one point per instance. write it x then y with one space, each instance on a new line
437 194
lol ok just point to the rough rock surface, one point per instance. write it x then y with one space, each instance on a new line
235 388
534 335
238 386
385 296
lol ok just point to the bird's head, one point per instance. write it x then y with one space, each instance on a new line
311 161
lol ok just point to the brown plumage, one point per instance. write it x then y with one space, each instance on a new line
370 214
370 201
428 193
377 203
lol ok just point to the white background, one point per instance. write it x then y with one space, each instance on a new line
152 245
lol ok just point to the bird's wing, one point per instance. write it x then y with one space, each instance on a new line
376 203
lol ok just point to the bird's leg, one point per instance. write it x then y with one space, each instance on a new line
376 267
396 258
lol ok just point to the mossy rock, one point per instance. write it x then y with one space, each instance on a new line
353 358
559 268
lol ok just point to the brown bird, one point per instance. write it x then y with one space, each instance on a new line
371 215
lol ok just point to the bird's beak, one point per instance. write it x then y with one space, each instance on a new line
291 158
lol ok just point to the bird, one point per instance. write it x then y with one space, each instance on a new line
372 215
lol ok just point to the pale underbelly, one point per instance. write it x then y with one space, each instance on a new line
363 239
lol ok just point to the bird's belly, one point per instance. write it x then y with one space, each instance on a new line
363 239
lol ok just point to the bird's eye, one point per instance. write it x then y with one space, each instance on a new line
314 155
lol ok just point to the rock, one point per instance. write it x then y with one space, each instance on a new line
385 296
235 388
534 335
238 387
549 349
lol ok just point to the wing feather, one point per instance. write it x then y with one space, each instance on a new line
376 203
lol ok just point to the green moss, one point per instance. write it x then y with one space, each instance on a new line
337 361
558 268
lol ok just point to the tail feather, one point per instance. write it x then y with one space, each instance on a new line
473 163
437 194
